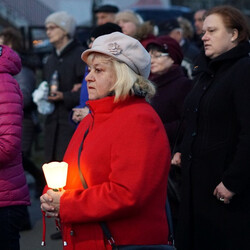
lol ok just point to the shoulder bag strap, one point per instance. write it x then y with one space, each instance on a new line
103 225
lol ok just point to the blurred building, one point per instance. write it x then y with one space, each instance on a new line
20 13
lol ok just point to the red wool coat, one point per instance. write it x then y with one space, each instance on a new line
125 161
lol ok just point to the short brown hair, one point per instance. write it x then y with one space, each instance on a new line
233 19
12 37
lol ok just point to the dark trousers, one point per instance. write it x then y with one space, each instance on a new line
11 220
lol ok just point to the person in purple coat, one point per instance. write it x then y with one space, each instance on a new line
14 193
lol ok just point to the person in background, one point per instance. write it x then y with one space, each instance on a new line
14 193
125 156
26 79
189 48
80 111
172 88
105 14
64 60
198 23
175 29
172 85
133 25
215 151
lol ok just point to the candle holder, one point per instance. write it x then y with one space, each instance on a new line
55 174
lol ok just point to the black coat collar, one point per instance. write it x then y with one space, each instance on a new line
204 64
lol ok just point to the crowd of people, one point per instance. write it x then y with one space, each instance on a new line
143 116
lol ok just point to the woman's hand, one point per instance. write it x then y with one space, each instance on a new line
76 87
57 96
223 194
79 114
50 203
176 160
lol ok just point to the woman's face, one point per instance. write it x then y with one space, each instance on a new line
160 62
128 28
55 33
217 38
101 78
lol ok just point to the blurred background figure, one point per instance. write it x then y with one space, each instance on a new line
133 25
198 23
14 193
172 88
172 84
189 48
26 79
80 111
65 67
105 14
69 68
182 31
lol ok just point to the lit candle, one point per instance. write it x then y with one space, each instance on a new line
55 174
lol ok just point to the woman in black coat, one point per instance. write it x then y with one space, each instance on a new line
65 60
172 88
170 80
215 207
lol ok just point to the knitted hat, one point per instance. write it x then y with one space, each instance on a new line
104 29
124 49
169 45
64 21
129 16
107 8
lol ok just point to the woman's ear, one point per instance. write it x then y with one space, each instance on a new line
235 35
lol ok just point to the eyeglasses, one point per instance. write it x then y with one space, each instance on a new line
51 27
157 56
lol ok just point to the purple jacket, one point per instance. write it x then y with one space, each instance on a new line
13 186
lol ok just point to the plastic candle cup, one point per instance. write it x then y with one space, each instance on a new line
55 174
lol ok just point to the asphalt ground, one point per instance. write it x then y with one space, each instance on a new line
31 239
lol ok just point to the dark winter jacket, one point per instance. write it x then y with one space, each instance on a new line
27 81
216 147
13 187
58 129
190 53
172 88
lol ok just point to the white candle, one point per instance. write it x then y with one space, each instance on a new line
55 174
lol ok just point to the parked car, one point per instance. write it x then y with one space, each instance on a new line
158 15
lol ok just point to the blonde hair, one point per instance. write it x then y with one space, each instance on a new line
127 83
130 16
186 26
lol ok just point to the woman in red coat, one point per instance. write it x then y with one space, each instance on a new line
125 157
